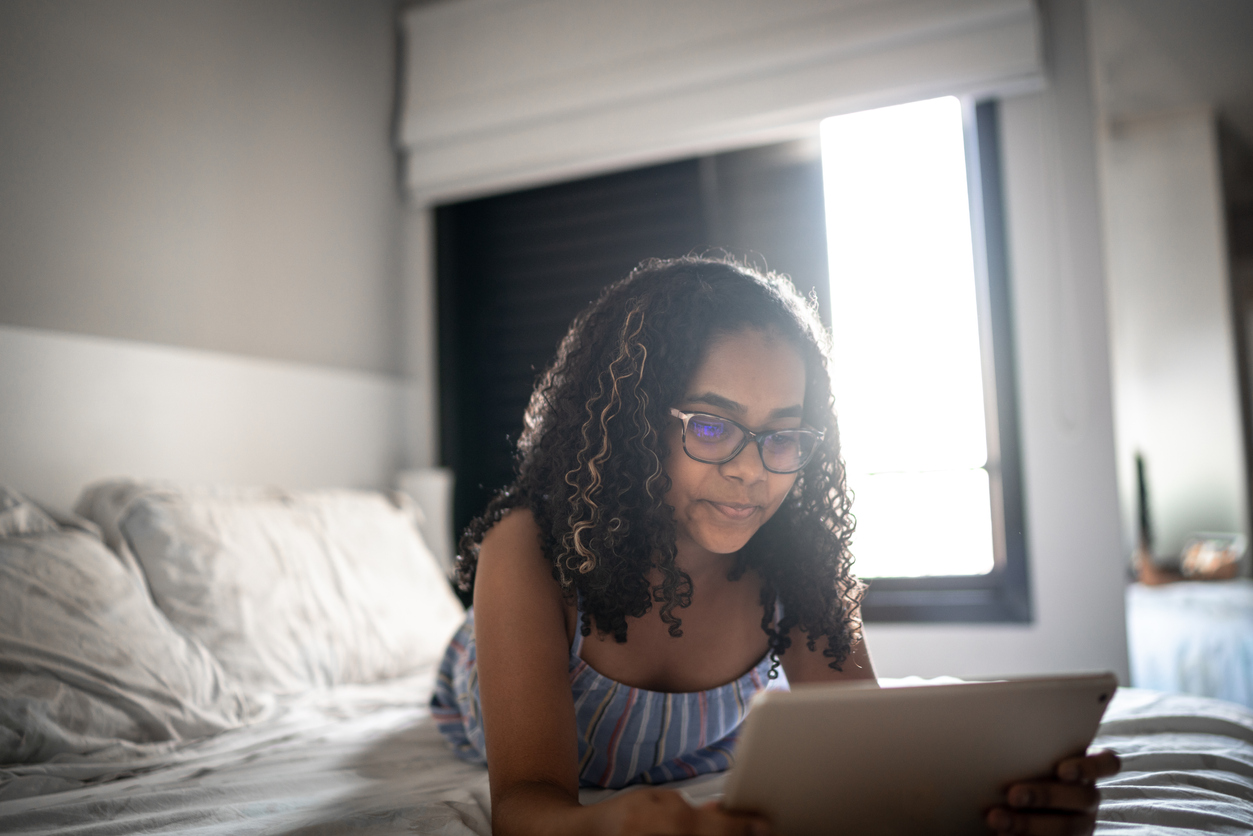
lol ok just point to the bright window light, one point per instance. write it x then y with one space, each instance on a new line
908 372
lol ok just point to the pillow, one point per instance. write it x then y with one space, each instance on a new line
87 662
19 516
295 590
103 503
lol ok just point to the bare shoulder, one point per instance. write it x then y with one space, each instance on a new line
512 542
804 665
512 561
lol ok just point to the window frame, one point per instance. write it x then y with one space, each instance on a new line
1004 594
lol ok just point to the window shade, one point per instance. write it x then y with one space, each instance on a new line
500 94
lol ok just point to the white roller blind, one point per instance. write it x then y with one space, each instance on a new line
507 93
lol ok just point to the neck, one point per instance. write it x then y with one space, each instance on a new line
701 564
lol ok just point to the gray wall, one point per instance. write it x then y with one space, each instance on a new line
212 174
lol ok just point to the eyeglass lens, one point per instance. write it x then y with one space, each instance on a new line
716 440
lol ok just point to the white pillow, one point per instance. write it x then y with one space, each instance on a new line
295 590
87 662
20 516
103 503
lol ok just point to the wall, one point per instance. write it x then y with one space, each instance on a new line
1167 74
1171 326
200 243
1161 56
214 175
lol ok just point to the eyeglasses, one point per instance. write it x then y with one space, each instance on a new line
714 440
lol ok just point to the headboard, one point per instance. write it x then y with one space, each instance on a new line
74 409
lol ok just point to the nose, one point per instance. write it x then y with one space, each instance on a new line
747 466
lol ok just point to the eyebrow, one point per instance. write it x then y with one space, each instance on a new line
719 402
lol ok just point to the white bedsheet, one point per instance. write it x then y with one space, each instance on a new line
1187 765
368 760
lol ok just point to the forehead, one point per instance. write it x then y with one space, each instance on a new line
756 368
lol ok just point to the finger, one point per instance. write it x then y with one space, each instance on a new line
1052 795
1101 764
1006 821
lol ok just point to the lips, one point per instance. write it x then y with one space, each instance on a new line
733 510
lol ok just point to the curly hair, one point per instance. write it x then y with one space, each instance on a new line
589 461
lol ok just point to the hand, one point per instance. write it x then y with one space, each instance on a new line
666 813
1060 807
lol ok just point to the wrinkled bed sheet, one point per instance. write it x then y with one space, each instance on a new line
368 760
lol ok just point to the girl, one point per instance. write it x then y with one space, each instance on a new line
676 540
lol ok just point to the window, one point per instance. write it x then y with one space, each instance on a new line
923 371
513 269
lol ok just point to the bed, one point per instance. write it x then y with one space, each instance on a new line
1194 637
295 702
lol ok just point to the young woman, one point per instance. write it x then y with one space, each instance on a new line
677 539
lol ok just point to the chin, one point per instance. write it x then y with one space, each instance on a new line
722 542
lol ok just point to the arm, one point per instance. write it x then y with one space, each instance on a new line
528 709
803 665
528 712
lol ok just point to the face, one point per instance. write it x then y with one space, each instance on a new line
756 379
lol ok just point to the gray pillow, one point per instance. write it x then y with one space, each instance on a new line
88 664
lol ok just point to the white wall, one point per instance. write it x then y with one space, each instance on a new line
1172 330
1165 72
1076 562
200 243
216 175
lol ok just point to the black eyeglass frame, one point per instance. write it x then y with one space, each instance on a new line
749 435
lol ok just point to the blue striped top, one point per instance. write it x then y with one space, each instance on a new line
626 735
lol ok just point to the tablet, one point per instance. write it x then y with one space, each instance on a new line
928 759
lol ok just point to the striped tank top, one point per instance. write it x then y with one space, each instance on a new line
626 735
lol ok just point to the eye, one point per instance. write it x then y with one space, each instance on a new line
781 442
708 428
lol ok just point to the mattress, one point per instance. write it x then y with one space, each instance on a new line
367 759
